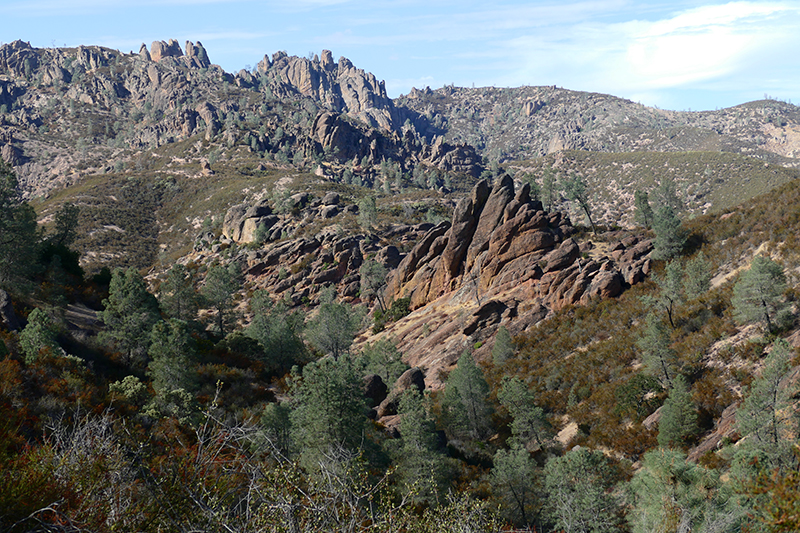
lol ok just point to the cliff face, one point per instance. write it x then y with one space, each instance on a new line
338 86
504 261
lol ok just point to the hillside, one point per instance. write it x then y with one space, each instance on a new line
280 301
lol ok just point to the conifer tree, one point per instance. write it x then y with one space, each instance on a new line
670 237
278 331
678 421
529 425
220 285
643 212
40 333
421 467
670 290
671 494
178 296
465 407
329 409
758 295
659 359
333 329
19 234
765 418
515 479
578 492
384 359
697 276
503 348
576 189
130 312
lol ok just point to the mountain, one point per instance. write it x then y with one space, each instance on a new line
340 311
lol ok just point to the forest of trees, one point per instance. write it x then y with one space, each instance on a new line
161 418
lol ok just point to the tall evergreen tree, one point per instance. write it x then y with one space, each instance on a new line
579 499
278 331
333 329
178 296
697 276
503 348
678 422
19 234
329 409
129 313
758 295
643 214
659 359
421 467
671 494
39 334
515 479
220 285
576 189
529 425
670 290
465 406
765 418
670 237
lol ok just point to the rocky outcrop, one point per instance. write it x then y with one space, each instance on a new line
413 378
339 86
160 49
502 261
499 239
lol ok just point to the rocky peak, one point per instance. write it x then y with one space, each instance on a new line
502 261
160 49
341 87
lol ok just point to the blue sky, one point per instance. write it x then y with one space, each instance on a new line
675 55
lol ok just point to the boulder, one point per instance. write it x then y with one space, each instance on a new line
411 378
375 390
7 313
331 198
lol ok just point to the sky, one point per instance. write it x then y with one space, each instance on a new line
680 55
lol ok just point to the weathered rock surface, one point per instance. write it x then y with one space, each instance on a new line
502 261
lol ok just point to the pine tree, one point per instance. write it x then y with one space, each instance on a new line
130 312
643 212
178 296
514 479
758 295
278 331
421 467
529 425
329 409
670 237
575 188
578 492
765 418
465 407
19 234
39 334
373 281
671 494
697 276
503 348
670 290
220 285
678 421
384 359
333 329
660 361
